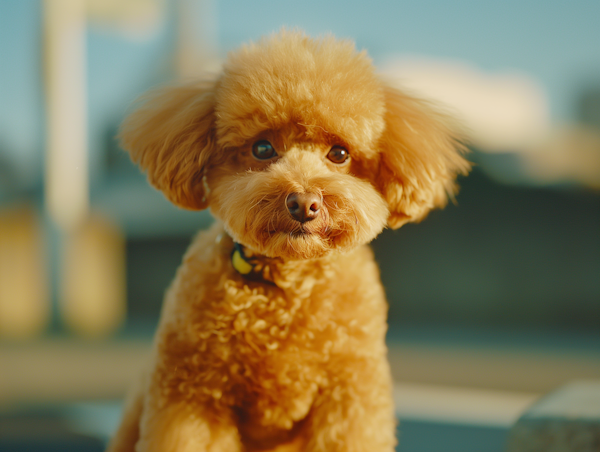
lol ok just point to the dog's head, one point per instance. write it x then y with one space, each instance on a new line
298 147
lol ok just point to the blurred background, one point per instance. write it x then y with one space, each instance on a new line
493 301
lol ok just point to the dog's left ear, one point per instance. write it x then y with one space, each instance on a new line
421 155
171 137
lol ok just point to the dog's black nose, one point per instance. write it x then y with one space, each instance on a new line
303 206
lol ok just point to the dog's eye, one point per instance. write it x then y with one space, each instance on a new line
263 150
338 154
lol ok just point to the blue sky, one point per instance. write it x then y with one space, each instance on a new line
20 84
555 42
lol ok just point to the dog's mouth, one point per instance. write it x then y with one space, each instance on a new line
319 227
304 232
300 233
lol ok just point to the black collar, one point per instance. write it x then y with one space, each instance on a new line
251 266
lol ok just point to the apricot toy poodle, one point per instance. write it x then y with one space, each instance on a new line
272 333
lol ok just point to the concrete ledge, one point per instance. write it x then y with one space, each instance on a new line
62 370
567 420
461 406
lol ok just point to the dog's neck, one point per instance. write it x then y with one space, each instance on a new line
296 275
250 265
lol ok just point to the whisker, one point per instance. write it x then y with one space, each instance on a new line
257 202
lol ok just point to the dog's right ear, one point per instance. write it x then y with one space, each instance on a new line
171 137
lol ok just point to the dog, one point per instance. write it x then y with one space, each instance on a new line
272 333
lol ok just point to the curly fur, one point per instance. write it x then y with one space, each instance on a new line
298 364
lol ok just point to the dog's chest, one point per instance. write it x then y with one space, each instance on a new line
277 333
276 349
263 349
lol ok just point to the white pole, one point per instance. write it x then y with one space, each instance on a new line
92 261
197 51
67 192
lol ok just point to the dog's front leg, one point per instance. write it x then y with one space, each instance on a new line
184 426
355 412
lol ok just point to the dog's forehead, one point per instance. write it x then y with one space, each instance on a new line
292 79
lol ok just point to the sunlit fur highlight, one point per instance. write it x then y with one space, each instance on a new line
296 363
